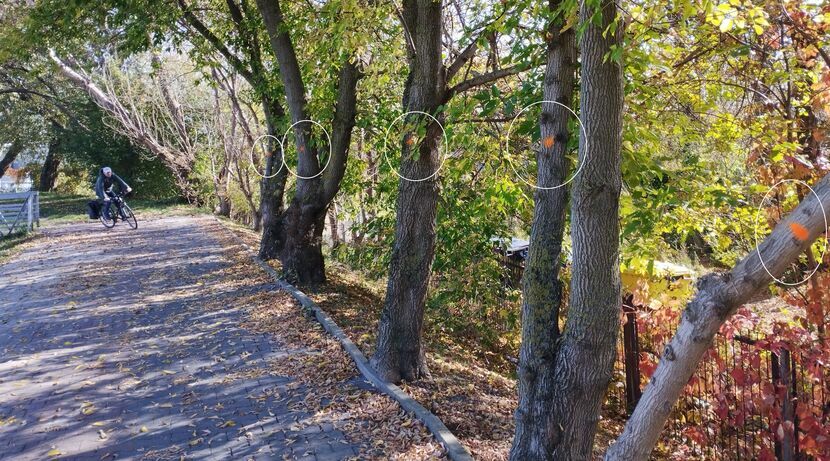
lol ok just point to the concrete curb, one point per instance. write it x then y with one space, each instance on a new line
455 450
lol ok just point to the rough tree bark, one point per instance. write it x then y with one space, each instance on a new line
541 287
299 230
11 155
586 350
272 187
717 299
399 354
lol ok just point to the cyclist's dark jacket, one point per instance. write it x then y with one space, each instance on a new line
104 184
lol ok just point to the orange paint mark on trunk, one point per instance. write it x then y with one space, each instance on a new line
800 232
548 142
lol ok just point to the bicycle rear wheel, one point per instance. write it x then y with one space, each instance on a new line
130 217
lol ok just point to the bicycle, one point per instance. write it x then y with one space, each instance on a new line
118 209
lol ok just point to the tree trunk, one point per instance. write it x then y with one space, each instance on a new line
223 184
221 177
221 180
49 172
223 208
587 348
295 235
333 227
271 207
302 253
717 299
298 236
272 189
11 155
399 354
541 287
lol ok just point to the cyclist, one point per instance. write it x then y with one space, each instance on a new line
103 188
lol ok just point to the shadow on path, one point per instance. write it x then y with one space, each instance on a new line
126 344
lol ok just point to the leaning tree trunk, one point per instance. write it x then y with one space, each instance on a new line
399 354
587 347
717 299
541 287
138 128
11 155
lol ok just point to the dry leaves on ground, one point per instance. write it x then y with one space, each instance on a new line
315 359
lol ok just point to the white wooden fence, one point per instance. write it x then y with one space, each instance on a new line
19 212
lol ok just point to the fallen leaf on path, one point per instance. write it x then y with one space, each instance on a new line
87 408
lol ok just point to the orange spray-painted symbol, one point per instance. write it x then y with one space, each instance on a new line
800 232
410 140
548 142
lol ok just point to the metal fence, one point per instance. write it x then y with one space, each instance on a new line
737 398
722 413
19 212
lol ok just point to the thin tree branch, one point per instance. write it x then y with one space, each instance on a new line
217 43
483 79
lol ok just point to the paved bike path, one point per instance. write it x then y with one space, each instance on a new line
126 344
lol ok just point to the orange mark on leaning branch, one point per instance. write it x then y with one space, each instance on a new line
800 232
548 142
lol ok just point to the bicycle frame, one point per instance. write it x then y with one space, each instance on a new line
118 201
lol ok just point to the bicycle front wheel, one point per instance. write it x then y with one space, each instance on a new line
130 217
107 219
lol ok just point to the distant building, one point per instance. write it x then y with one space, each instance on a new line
16 179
